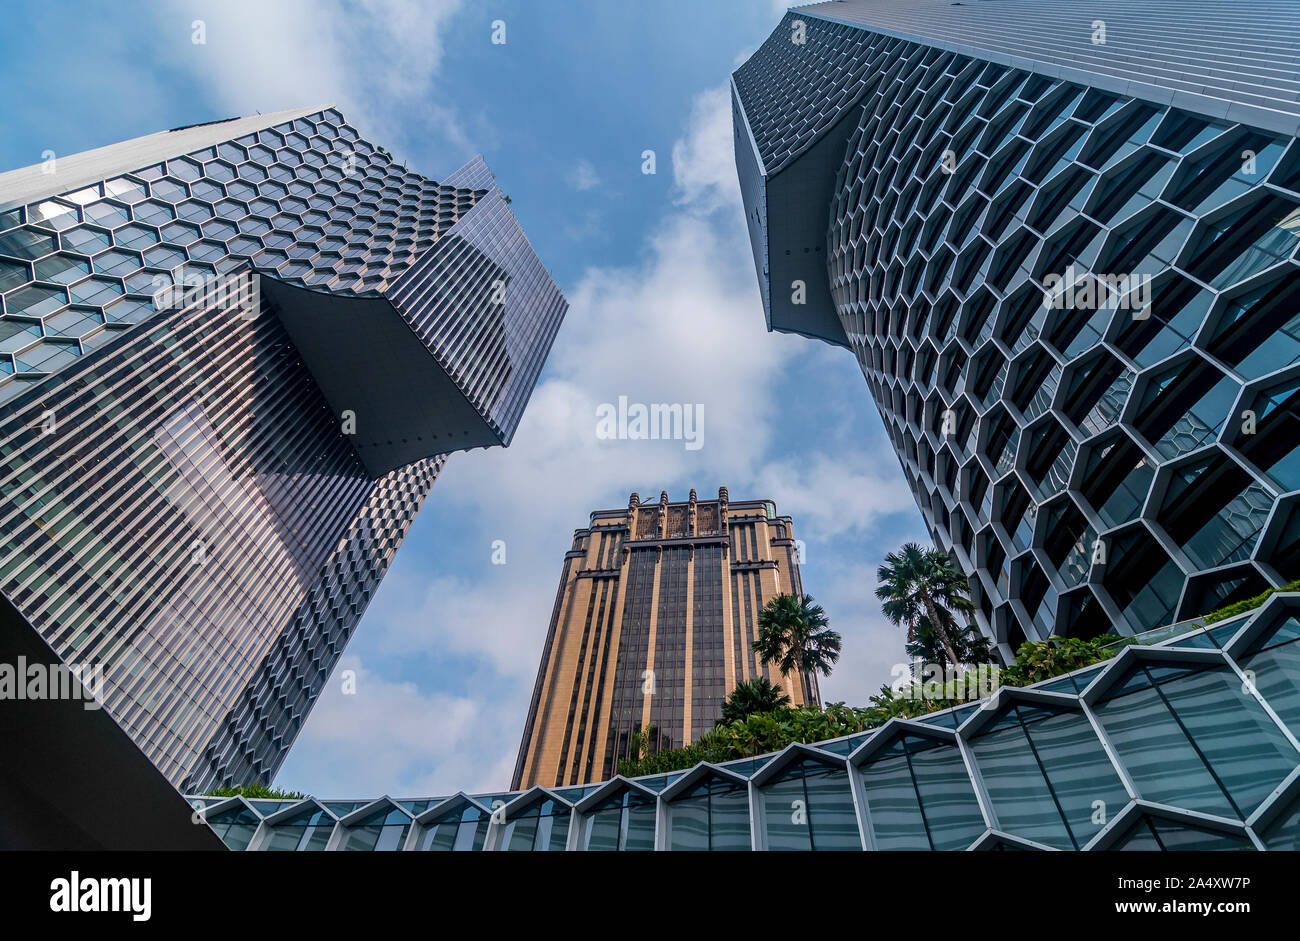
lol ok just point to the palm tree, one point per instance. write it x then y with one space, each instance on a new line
968 644
793 635
751 696
921 589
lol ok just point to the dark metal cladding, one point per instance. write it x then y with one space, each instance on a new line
184 501
1061 241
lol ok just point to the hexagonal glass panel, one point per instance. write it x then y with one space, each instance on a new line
36 300
95 291
61 268
27 243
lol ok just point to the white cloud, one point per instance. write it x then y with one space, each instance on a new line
704 166
583 176
392 738
261 56
834 495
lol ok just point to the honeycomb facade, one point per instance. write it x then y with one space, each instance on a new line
1189 744
199 496
1070 277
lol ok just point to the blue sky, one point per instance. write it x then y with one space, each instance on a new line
664 307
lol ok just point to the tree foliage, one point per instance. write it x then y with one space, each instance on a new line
923 591
756 695
793 635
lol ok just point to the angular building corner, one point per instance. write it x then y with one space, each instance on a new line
202 496
1061 241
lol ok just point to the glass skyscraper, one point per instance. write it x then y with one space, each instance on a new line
233 357
1061 239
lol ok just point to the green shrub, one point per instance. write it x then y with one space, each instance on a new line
258 791
1249 604
1038 660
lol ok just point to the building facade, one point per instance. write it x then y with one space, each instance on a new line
233 358
1186 744
1061 241
653 626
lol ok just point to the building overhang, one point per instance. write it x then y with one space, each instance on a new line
368 361
787 218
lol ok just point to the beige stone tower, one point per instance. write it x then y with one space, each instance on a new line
652 628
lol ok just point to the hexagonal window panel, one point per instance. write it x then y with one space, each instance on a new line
96 291
54 214
27 243
73 322
1260 234
295 269
181 233
185 169
119 261
36 300
13 273
108 214
208 251
14 335
164 256
286 221
154 212
194 211
1141 578
47 356
208 190
136 236
150 174
172 191
84 240
244 245
231 209
241 191
252 172
129 310
126 190
62 268
220 170
148 281
1214 510
219 229
1183 407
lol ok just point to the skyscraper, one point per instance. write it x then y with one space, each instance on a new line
652 628
1060 239
233 357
